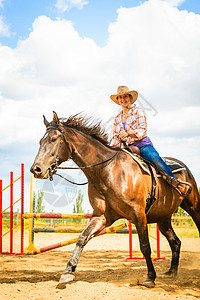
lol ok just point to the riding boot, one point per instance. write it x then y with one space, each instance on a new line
182 187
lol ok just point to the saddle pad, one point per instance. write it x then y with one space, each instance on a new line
174 166
139 160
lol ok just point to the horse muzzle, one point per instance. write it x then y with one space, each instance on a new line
38 172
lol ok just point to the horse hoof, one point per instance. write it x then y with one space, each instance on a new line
148 283
66 277
169 274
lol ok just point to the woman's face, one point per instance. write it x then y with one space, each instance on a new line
124 100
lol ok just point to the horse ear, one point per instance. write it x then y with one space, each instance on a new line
46 123
55 118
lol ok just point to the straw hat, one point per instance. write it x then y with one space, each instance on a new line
123 90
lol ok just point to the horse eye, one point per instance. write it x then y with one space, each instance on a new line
53 139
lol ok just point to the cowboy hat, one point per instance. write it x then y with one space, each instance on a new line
123 90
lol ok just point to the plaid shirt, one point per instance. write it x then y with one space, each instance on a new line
136 122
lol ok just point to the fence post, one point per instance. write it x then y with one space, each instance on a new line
130 241
1 215
158 241
22 208
11 212
31 246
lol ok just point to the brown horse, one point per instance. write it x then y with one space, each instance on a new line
117 187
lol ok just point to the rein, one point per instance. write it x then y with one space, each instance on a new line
54 167
90 166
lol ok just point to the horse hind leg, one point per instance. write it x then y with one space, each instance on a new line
175 244
142 230
95 225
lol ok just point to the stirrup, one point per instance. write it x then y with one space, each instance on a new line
175 183
187 184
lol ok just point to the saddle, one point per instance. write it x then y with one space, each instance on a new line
144 164
156 172
132 149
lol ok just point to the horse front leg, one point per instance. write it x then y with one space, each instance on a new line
142 230
95 226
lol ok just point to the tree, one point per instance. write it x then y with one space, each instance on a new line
180 212
39 200
78 206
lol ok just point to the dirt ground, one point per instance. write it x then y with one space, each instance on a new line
102 272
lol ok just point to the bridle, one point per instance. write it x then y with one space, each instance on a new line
54 167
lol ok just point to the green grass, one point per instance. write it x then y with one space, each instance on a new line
187 232
183 226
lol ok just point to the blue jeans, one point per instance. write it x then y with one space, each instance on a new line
150 153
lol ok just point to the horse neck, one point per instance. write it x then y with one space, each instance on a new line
86 149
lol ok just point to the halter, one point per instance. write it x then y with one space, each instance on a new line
53 168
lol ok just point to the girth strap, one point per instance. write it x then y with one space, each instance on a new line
151 198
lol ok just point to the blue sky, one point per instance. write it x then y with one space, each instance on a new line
70 55
92 20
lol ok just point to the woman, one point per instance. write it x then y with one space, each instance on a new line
130 126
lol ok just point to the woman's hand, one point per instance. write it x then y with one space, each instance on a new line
123 135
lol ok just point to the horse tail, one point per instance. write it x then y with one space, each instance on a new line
191 204
190 178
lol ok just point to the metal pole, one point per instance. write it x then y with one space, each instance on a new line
158 241
31 246
56 216
72 241
1 216
130 241
22 208
33 220
32 192
11 212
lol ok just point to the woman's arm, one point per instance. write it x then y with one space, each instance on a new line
141 126
123 135
115 140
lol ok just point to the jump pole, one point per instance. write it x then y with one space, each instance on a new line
58 230
130 241
22 208
11 213
31 245
56 216
72 241
0 216
157 238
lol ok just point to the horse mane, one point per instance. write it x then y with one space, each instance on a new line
87 126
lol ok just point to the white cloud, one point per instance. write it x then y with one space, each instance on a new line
182 123
159 45
4 29
174 2
64 5
153 48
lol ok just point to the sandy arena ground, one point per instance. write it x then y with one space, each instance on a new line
102 272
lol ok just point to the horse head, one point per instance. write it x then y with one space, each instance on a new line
54 149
